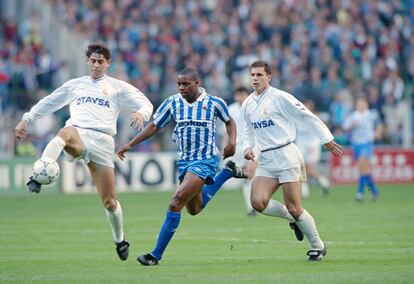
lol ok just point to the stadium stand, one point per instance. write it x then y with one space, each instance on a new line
327 51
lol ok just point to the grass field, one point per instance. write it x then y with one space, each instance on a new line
51 238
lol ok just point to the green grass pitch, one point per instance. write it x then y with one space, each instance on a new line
53 238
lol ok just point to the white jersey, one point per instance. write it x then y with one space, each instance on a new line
271 118
93 104
305 136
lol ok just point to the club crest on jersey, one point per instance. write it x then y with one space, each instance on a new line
262 124
299 106
92 100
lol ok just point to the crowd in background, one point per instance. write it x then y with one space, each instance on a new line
328 51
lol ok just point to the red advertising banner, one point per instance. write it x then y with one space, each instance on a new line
388 166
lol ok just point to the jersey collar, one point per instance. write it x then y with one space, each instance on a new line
99 79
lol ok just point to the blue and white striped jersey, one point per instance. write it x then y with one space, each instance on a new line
196 124
362 125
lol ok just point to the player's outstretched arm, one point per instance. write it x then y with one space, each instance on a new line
21 130
232 133
148 131
334 148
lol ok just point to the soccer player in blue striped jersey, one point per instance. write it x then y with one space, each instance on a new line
365 127
195 113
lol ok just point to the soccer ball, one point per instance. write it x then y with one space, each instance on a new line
45 171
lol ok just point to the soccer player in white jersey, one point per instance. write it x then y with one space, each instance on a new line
239 95
365 127
195 113
271 115
310 146
95 102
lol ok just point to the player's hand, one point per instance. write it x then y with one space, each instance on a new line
229 150
137 121
334 148
249 154
21 130
121 151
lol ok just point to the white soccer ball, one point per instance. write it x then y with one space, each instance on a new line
45 171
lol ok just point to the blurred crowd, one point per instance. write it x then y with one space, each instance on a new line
329 51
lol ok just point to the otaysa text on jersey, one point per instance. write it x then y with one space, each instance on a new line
92 100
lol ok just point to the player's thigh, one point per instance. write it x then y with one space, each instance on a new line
104 179
292 197
189 188
74 145
263 189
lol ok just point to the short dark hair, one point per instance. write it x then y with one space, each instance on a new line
189 72
241 89
100 48
262 63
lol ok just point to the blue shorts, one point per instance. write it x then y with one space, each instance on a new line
205 169
363 150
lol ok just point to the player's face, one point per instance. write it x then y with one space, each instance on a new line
98 65
188 87
260 80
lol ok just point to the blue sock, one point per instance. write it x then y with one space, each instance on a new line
363 180
372 185
172 220
210 190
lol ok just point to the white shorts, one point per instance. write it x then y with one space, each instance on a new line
99 147
311 152
286 164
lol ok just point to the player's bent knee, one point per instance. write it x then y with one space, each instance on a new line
110 204
193 211
258 205
295 211
176 205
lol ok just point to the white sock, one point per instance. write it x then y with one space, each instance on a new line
305 190
54 148
277 209
247 188
308 227
117 223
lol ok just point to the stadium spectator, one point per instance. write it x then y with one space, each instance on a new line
195 113
365 127
271 115
95 102
361 40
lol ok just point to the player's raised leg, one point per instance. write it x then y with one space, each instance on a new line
104 179
67 138
229 170
306 223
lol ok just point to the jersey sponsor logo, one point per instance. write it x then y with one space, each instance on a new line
192 123
263 124
92 100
